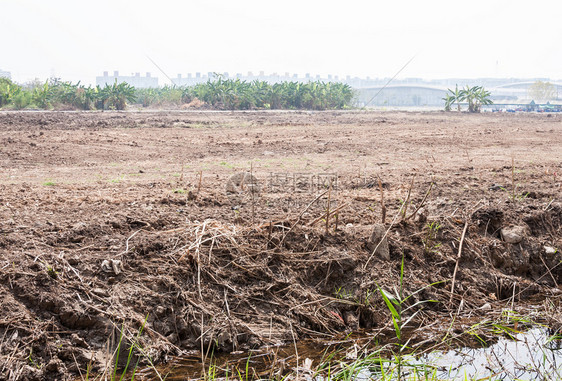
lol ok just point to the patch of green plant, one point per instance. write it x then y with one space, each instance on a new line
51 272
347 295
475 96
430 244
130 369
227 165
49 183
117 180
341 293
219 93
31 360
8 90
397 304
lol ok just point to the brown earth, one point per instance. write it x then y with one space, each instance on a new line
107 218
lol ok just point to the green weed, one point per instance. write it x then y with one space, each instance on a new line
429 239
130 369
51 272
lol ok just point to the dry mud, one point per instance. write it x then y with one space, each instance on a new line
108 219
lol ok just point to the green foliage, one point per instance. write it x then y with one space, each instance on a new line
8 90
21 100
235 94
456 96
116 96
429 240
227 94
398 304
51 272
476 97
41 95
449 100
167 95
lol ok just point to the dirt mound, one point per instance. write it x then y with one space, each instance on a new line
234 286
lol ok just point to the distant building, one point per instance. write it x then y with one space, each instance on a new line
5 74
135 80
181 80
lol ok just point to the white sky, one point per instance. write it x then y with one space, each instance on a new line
79 39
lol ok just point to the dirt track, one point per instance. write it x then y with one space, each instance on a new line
77 189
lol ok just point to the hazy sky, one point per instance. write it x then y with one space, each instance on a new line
77 39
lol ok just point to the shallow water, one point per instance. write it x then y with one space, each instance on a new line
527 355
531 356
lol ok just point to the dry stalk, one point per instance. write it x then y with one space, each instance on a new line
549 272
383 207
512 178
127 242
200 180
512 298
328 207
181 176
421 203
207 231
384 236
252 191
331 213
202 349
300 216
408 197
296 351
458 260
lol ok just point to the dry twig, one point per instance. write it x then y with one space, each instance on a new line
458 260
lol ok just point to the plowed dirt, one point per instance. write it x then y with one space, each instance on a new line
108 219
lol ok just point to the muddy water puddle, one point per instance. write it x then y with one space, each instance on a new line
533 354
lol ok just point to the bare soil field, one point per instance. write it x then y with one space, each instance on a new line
111 218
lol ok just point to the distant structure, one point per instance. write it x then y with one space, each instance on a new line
195 78
134 80
5 74
415 92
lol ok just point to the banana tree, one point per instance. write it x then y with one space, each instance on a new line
41 95
88 97
476 96
116 96
449 100
458 96
483 98
8 90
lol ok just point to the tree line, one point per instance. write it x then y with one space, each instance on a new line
223 94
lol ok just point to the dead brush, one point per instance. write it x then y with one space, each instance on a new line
202 233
